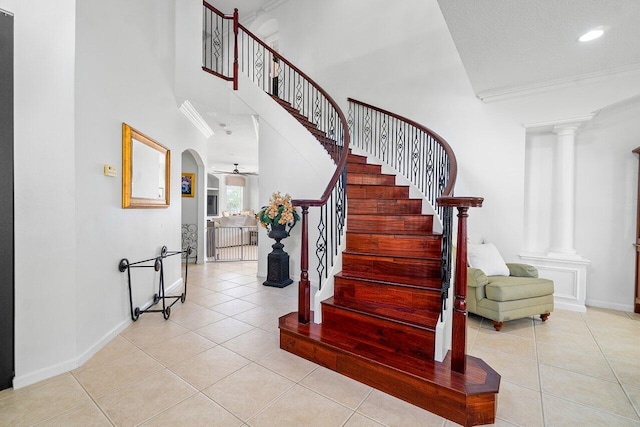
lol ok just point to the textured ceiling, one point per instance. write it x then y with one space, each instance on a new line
511 45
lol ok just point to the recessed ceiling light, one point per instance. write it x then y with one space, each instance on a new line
591 35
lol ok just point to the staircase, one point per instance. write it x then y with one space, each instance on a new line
379 327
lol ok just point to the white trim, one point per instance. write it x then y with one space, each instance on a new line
6 12
192 114
611 305
531 89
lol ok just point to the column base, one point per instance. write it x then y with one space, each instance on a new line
569 275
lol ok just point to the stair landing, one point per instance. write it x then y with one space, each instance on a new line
468 399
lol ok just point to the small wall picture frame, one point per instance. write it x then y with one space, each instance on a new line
188 184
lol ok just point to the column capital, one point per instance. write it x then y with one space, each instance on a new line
552 125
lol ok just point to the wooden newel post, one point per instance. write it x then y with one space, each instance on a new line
235 49
304 286
459 328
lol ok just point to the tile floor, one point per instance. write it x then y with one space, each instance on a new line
216 362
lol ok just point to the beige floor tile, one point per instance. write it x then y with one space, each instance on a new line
561 412
514 369
472 336
343 390
393 412
195 292
41 401
209 367
214 299
519 405
511 344
176 349
229 275
627 348
222 285
243 280
145 399
197 410
284 363
259 297
302 407
600 394
498 423
233 307
116 348
239 291
260 316
634 396
151 329
254 344
188 306
519 327
238 392
197 318
562 327
103 379
358 420
588 362
224 330
628 372
86 415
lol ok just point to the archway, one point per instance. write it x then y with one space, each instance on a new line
194 196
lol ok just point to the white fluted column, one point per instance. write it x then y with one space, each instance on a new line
564 191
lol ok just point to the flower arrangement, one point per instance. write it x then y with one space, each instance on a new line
278 211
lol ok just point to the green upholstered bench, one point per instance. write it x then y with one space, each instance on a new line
503 298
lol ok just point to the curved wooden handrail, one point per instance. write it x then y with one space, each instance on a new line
216 11
345 151
453 172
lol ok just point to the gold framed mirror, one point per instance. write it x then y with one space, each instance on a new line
146 167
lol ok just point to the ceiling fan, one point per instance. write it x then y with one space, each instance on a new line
235 171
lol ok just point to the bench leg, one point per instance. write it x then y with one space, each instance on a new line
497 325
544 316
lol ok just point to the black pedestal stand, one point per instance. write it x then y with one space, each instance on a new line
278 260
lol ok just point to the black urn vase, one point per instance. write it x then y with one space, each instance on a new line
278 259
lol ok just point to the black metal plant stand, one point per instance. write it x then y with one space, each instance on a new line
157 265
278 259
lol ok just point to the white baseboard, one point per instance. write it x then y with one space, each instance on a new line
44 373
571 307
610 305
27 379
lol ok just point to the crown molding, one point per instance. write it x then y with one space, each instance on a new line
502 94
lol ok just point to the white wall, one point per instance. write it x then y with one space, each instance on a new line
96 68
124 73
606 197
45 186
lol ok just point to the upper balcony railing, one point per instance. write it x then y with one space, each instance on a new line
229 49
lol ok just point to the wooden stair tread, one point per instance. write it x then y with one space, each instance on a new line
422 319
392 257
